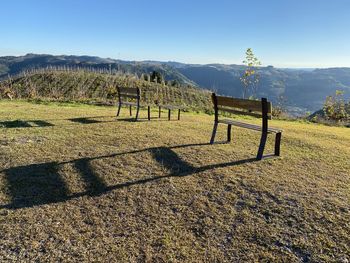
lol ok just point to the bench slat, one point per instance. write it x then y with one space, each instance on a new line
171 107
142 105
129 103
249 126
254 114
250 105
128 96
128 91
240 112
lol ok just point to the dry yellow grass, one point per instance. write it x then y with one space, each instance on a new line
78 185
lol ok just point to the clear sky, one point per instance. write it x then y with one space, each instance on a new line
283 33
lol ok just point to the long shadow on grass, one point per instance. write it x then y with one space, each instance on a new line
88 120
39 184
84 120
15 124
46 123
25 124
79 120
36 184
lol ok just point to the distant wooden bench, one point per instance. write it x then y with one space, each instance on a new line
169 108
262 109
133 94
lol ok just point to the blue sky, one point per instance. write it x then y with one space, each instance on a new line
283 33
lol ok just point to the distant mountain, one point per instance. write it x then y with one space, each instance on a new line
304 89
14 65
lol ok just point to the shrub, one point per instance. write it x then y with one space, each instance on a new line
279 109
335 107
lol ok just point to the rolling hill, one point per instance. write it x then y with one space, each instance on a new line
303 89
95 87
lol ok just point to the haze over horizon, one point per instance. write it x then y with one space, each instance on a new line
288 34
167 61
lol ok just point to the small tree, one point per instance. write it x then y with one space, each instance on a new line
334 107
175 83
250 77
156 77
279 107
147 77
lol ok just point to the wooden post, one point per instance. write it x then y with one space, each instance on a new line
261 146
138 104
229 132
213 133
119 102
149 112
178 115
216 120
264 129
119 106
130 110
169 113
160 111
278 143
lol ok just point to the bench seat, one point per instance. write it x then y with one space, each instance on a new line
249 126
171 107
129 103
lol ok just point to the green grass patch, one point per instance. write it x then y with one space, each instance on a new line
78 184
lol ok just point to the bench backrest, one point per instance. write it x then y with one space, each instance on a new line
131 93
257 108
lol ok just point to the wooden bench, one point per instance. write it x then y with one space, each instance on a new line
261 109
131 94
169 108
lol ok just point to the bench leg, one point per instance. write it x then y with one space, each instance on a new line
229 128
130 110
214 133
160 112
169 112
178 115
137 112
278 143
119 106
261 146
149 112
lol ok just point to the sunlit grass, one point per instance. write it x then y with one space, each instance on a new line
76 183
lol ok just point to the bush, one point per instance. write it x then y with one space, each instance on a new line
157 77
335 107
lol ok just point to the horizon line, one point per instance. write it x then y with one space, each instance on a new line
174 61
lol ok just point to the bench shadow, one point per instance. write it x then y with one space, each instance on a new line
139 119
38 184
42 123
47 123
94 184
15 124
85 120
168 159
25 124
81 120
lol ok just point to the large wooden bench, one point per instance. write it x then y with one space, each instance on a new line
261 109
131 97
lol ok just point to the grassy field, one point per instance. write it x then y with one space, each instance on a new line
78 185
